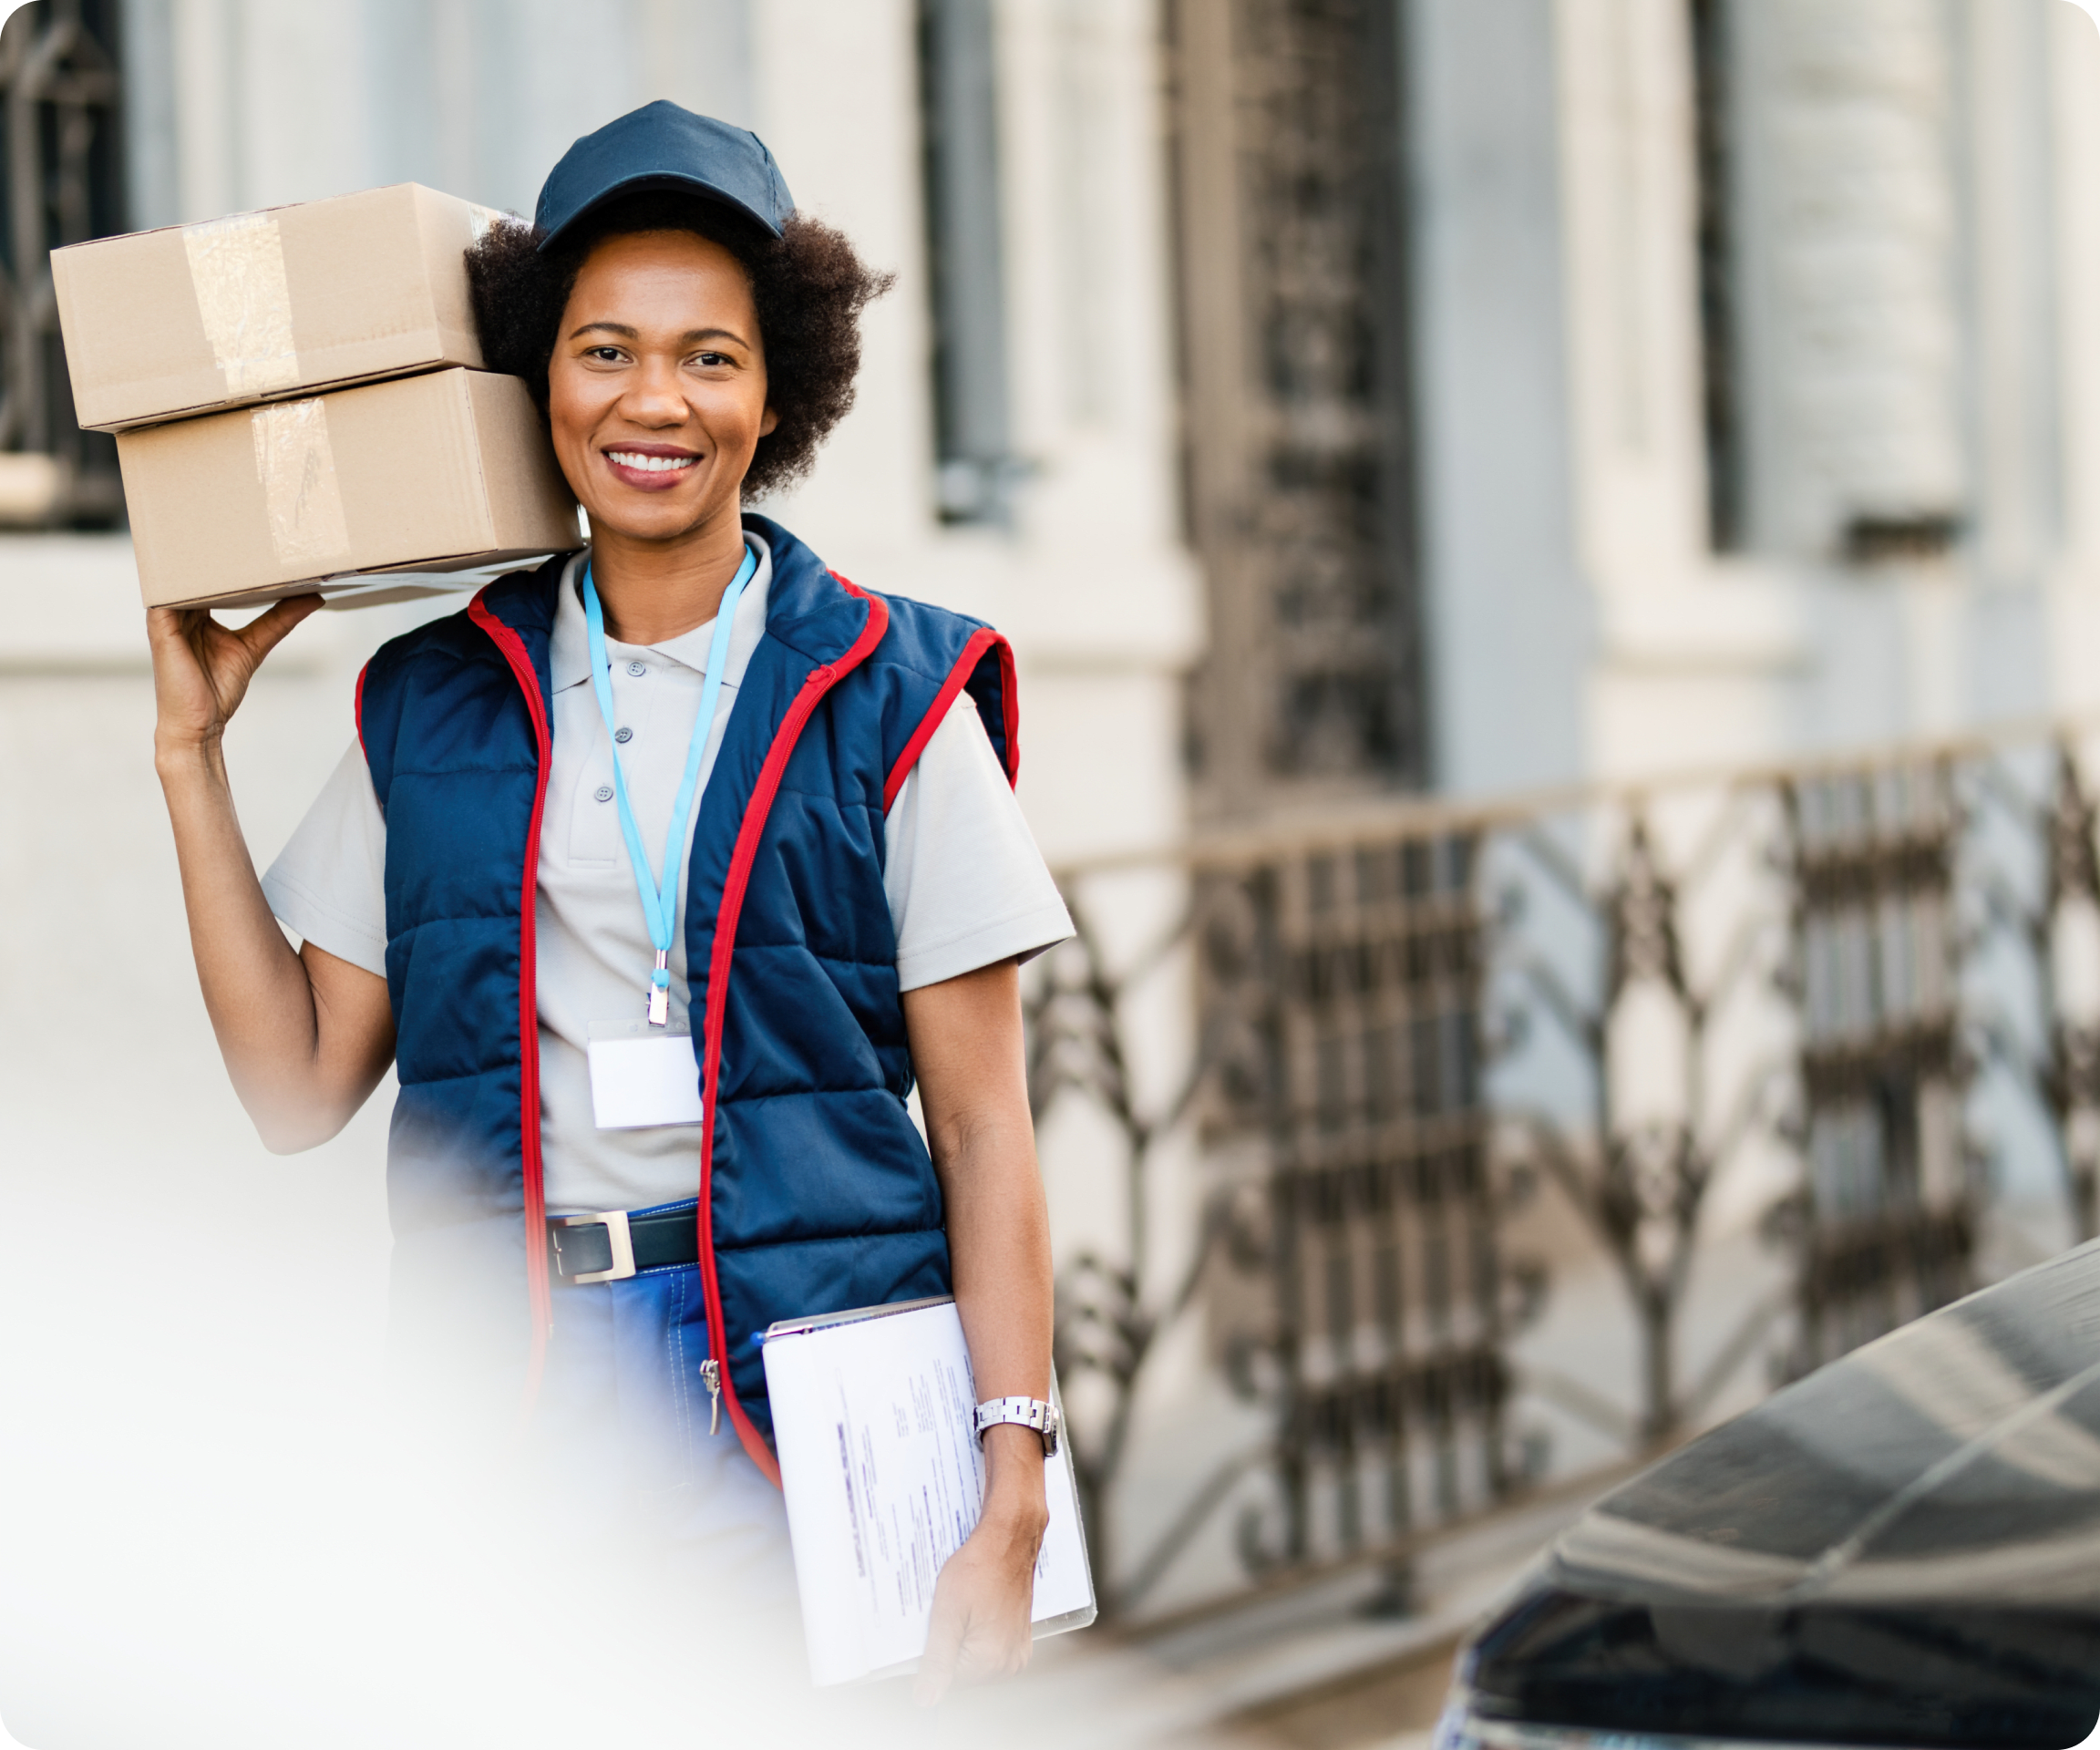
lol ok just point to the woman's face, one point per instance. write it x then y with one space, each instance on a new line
657 390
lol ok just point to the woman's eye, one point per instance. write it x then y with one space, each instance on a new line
604 355
708 361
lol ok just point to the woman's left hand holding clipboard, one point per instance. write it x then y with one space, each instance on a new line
967 1047
985 1598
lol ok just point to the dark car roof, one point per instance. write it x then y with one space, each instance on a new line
1904 1548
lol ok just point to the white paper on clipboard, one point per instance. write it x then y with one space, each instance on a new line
874 1418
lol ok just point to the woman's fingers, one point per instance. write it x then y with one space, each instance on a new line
944 1644
230 657
979 1624
174 634
266 631
201 669
185 695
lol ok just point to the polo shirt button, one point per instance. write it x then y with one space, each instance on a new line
603 793
637 669
622 736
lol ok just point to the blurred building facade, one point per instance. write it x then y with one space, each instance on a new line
1337 401
1544 388
1597 388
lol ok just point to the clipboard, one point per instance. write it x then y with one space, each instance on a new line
874 1419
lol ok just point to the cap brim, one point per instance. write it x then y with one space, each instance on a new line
652 182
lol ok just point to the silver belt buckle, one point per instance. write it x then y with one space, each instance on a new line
615 1222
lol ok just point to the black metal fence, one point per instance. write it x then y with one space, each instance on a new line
1842 1004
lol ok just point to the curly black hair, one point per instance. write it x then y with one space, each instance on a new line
807 285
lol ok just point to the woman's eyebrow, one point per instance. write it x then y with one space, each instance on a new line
690 337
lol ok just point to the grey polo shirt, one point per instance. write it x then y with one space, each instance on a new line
965 883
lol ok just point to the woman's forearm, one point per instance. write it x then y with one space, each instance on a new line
967 1046
258 993
306 1036
999 1242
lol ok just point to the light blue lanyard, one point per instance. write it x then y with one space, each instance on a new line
660 897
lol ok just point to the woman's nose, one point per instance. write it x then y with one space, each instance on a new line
653 394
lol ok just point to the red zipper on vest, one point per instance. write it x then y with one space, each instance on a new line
539 1294
820 680
980 640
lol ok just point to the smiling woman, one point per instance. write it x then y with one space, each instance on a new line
806 290
652 1102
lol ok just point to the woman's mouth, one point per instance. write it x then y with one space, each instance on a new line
651 470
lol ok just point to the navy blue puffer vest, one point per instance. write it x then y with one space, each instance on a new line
816 1191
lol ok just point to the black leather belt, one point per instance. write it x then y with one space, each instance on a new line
611 1247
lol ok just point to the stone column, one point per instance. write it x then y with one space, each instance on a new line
2073 48
1629 194
1509 627
1851 355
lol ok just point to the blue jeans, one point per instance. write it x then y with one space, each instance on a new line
619 1433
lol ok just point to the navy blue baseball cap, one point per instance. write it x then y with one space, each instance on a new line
661 146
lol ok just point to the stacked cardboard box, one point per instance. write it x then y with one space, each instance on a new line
299 404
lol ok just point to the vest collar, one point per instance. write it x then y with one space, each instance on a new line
570 649
807 609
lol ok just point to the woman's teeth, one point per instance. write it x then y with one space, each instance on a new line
649 464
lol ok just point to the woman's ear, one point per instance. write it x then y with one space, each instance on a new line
771 419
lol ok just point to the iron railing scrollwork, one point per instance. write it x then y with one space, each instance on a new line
2064 936
1637 1157
1363 988
1885 1222
1342 1063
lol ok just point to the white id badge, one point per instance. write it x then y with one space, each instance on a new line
643 1078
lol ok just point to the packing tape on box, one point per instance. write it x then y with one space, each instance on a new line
297 468
237 269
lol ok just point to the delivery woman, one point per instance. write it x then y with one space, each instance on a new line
659 875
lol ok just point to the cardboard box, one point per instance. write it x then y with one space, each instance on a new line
161 324
431 482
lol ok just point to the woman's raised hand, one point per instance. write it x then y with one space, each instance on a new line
306 1036
201 669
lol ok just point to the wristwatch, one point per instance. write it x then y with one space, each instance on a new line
1029 1411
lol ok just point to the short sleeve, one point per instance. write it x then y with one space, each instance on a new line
328 885
966 885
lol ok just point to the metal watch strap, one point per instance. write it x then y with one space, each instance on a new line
1028 1411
